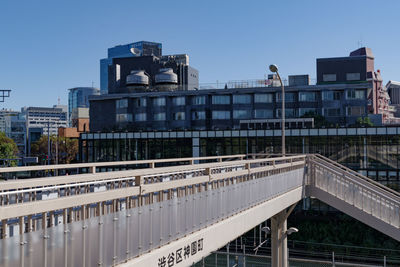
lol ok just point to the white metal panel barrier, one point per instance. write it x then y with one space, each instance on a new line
116 237
356 195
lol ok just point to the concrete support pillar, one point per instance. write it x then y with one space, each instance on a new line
279 251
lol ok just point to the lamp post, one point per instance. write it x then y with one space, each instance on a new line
274 68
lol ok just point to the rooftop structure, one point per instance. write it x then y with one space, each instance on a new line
142 48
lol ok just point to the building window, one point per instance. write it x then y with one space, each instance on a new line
263 113
242 114
307 96
178 101
199 100
289 97
263 98
140 117
198 115
122 103
355 111
303 111
159 101
221 115
124 117
329 77
353 76
221 99
140 102
289 113
179 116
331 95
241 99
331 112
159 116
355 94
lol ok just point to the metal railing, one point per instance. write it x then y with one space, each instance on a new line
356 190
82 229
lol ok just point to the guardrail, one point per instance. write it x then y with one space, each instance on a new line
356 190
97 228
92 166
75 199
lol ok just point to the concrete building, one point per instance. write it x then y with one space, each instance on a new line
142 48
347 88
48 119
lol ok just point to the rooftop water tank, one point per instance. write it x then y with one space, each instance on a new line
137 77
166 76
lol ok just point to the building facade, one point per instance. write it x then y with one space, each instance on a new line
372 151
78 97
142 48
347 89
13 124
47 119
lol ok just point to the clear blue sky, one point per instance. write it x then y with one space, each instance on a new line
47 47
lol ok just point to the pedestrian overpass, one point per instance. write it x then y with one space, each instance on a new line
174 212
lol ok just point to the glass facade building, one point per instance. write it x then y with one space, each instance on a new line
78 97
374 151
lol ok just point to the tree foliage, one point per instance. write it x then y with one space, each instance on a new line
364 121
8 148
65 148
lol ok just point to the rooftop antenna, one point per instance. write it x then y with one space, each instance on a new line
58 100
92 84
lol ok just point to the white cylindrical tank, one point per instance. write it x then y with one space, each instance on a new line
166 76
137 77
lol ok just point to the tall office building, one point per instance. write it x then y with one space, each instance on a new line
142 48
78 97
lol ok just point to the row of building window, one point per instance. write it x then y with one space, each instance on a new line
245 114
331 77
247 98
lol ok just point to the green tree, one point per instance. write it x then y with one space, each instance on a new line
61 148
8 149
364 121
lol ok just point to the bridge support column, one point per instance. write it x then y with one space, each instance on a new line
279 251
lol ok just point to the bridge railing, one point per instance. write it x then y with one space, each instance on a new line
104 228
355 189
92 167
37 196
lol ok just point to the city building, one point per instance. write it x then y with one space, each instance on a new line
142 48
347 89
78 97
393 89
12 123
43 121
79 124
372 151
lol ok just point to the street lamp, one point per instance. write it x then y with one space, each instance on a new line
274 68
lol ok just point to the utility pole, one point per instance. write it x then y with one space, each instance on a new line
48 142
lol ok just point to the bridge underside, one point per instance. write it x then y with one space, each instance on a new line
354 212
219 234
